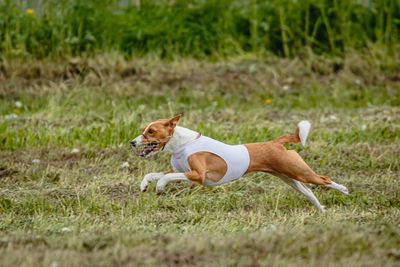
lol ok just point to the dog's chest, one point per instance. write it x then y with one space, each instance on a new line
180 164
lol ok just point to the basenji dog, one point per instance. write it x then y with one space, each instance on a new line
200 159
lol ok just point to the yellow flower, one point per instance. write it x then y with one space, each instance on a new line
16 111
268 101
30 11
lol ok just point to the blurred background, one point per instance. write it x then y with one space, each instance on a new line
203 28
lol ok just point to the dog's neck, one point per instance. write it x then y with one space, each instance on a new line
180 137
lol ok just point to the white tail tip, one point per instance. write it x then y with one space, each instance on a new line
304 129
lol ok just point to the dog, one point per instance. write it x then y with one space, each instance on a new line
200 159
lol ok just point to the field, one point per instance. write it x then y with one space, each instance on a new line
67 197
79 79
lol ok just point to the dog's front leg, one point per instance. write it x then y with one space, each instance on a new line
170 177
154 176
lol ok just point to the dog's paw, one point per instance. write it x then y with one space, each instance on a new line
144 185
342 189
160 187
322 209
143 188
345 191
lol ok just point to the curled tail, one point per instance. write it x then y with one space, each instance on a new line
301 134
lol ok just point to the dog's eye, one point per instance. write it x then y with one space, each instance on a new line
151 131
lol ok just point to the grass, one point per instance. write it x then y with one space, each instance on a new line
213 29
66 200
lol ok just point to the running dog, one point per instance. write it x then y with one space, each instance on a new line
201 159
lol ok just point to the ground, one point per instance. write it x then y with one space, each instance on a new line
68 198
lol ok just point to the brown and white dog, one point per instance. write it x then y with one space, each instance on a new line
208 168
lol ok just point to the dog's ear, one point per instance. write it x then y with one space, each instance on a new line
174 121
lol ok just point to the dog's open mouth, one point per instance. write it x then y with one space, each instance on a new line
147 149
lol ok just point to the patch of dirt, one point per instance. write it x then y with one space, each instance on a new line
58 194
7 173
44 157
66 159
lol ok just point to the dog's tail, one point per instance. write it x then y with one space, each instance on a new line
301 134
303 129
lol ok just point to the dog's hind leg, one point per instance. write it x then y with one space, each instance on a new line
300 171
298 186
296 168
338 187
293 166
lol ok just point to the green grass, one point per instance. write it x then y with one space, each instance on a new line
82 208
195 28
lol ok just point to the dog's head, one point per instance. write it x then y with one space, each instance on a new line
155 136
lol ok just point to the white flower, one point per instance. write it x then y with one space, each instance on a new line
363 127
125 164
333 117
18 104
36 161
286 87
95 177
65 229
75 150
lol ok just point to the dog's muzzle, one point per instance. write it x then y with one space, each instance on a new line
133 143
144 150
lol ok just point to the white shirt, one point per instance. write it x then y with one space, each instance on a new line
236 157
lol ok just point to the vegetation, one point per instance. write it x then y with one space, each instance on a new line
79 79
195 28
67 198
